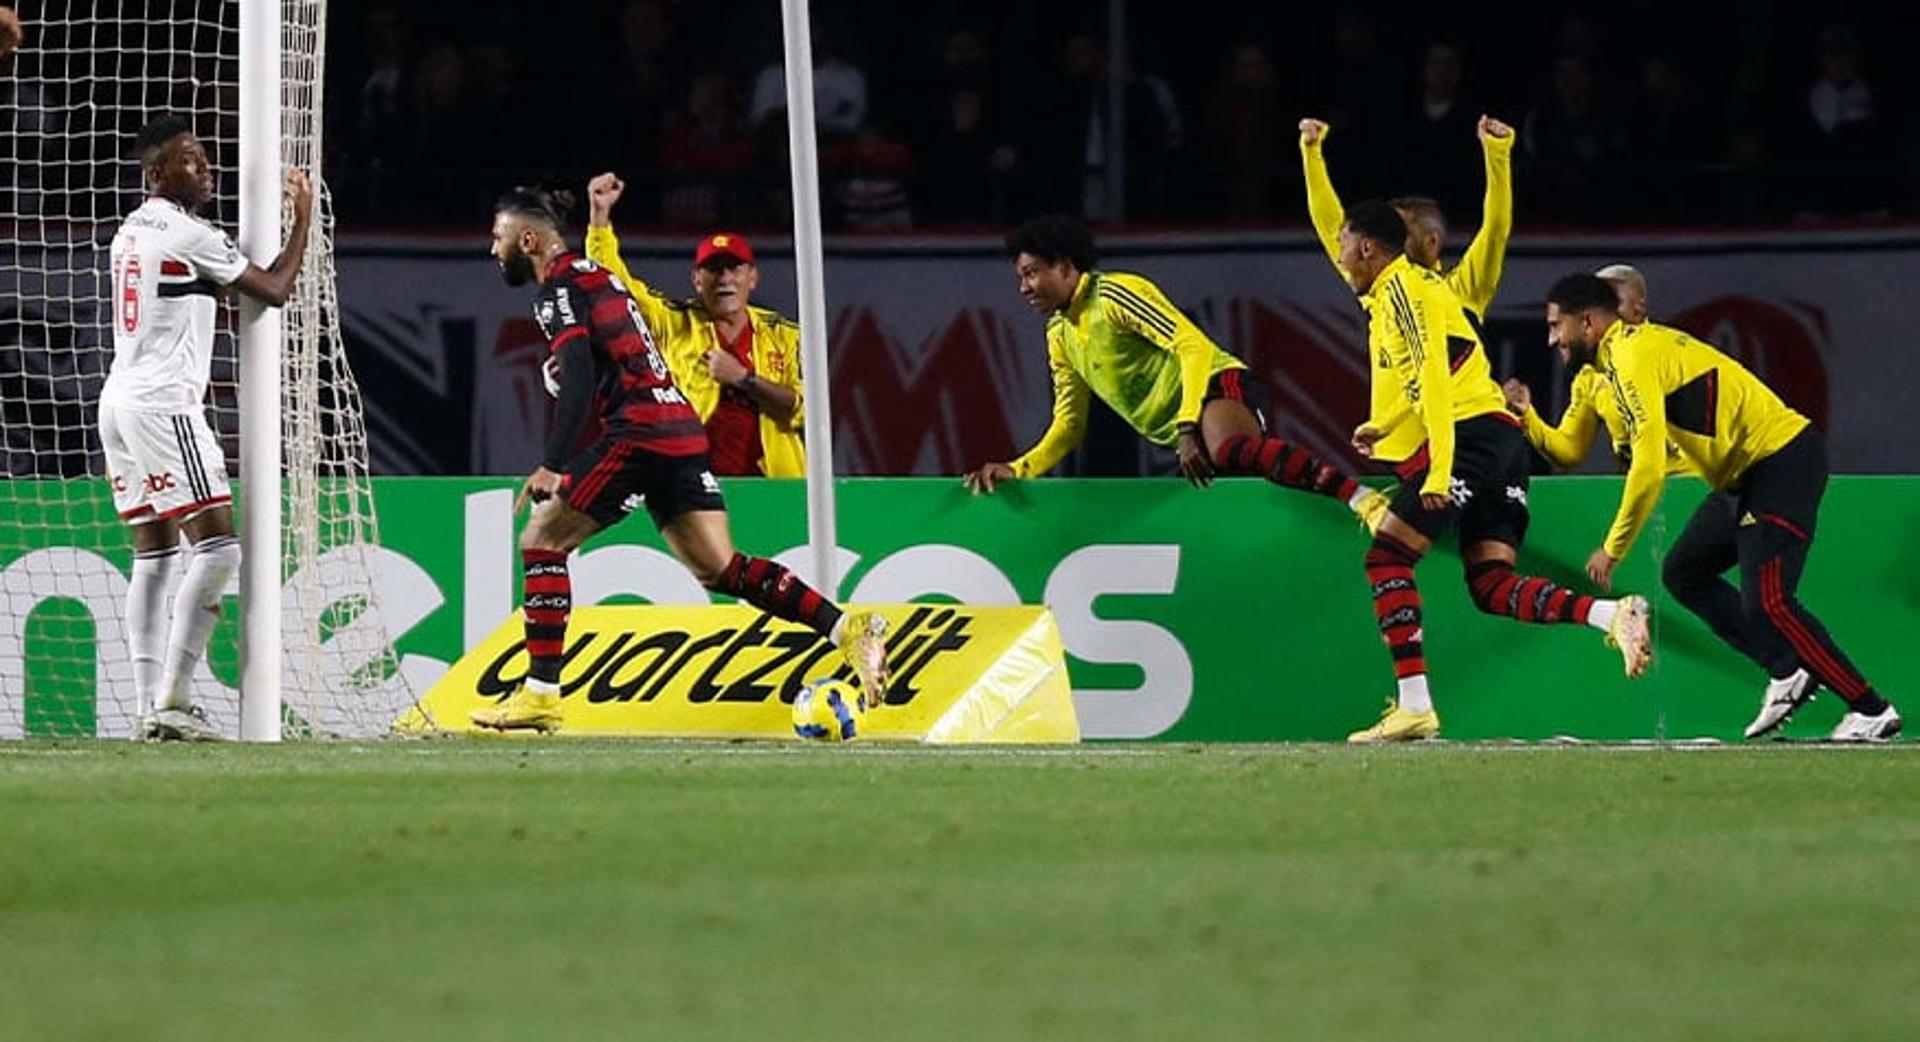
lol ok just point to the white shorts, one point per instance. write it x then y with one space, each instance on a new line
164 466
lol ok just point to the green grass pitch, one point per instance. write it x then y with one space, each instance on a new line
570 889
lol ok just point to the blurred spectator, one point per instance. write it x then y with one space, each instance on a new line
449 138
1246 107
963 147
1066 146
1669 131
839 92
1572 147
1844 131
704 152
1438 137
1359 103
377 140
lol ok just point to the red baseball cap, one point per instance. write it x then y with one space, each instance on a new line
723 244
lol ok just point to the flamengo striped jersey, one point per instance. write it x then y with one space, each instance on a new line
168 267
1120 338
638 401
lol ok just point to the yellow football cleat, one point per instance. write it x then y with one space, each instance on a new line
524 710
1398 725
863 640
1630 634
1372 510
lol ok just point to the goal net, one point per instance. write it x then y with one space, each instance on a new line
71 102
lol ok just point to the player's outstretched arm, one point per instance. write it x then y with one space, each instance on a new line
1064 434
1477 278
273 285
1323 203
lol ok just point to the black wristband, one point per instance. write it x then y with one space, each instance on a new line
747 382
1188 427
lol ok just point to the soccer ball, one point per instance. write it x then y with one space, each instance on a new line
830 710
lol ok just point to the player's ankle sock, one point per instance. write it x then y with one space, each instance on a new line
196 608
1414 697
1869 704
1284 464
1499 590
1396 604
1600 615
537 686
546 601
147 619
770 587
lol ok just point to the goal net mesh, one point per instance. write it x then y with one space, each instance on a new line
71 101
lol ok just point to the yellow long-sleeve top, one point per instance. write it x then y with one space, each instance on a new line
1669 385
685 333
1565 444
1473 281
1121 339
1428 364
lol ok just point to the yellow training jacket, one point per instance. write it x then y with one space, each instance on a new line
1669 385
1565 444
1429 369
1473 281
685 333
1120 338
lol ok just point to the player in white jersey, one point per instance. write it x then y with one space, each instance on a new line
169 475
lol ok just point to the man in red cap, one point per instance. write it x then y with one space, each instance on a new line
738 365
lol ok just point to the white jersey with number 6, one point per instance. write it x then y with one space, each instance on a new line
167 267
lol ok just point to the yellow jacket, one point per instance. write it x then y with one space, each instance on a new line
1430 371
1565 444
1473 281
685 332
1672 387
1120 338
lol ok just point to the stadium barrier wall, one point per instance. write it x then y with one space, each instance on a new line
938 365
1235 613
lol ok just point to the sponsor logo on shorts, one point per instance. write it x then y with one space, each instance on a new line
1459 493
632 503
1516 494
708 483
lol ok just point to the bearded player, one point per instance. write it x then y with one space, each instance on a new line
652 450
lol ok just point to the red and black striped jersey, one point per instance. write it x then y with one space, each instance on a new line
580 300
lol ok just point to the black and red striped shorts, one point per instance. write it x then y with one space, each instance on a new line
1240 385
616 475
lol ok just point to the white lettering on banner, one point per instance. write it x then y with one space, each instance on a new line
935 569
490 565
67 573
652 575
1080 579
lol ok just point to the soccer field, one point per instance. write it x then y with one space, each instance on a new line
571 889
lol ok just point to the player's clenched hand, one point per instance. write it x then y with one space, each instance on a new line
1363 438
1312 131
299 191
1194 462
725 369
1490 127
1600 569
985 478
541 485
602 192
1519 397
1434 500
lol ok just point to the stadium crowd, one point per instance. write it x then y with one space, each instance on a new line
948 114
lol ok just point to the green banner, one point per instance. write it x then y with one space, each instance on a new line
1235 613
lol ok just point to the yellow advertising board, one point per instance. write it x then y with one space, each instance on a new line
961 674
